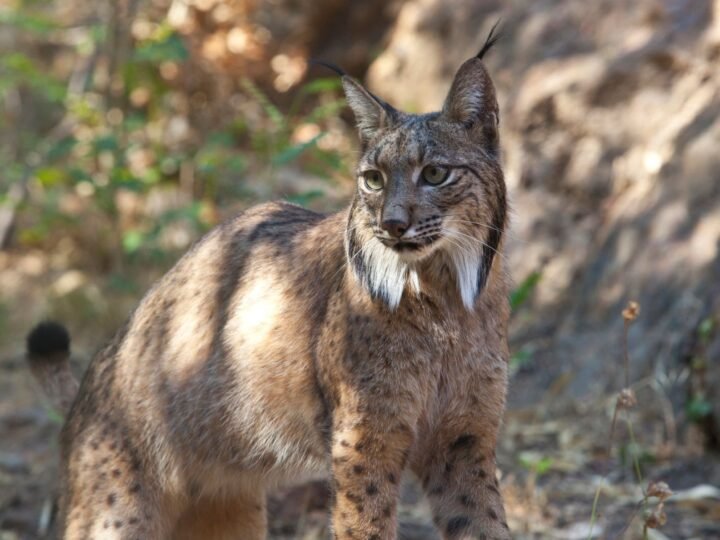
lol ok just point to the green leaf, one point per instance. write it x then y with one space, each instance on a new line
27 22
50 176
271 110
698 408
521 294
21 69
520 358
305 198
327 84
535 463
122 283
168 48
104 143
79 175
54 416
19 63
326 110
220 138
705 329
293 152
543 466
62 148
236 164
132 241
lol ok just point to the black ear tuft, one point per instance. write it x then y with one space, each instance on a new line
491 40
48 338
328 65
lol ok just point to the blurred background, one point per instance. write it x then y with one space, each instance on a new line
130 127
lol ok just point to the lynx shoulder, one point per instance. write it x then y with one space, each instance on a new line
286 343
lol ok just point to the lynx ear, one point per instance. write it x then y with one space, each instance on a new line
371 113
471 99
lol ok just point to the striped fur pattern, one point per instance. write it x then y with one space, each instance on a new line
288 344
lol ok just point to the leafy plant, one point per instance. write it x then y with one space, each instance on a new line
536 463
698 408
522 292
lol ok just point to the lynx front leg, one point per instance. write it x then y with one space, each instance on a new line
369 453
459 479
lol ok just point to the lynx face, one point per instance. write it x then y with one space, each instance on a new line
430 190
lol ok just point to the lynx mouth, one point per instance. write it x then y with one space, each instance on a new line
409 245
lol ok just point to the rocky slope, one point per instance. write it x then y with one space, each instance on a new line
611 129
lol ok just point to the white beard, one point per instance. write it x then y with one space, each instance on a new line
388 274
466 263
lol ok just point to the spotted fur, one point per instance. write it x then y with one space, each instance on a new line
287 344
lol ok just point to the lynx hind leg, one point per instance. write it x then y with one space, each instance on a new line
104 493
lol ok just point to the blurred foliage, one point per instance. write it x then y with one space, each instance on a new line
524 290
535 463
106 138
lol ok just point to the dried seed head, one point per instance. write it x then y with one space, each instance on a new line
631 311
660 490
626 399
657 518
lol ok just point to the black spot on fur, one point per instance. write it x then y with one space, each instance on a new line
463 441
492 514
479 473
111 499
118 524
358 469
371 489
457 524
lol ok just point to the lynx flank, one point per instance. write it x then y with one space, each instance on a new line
287 344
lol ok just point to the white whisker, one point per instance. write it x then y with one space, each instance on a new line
474 239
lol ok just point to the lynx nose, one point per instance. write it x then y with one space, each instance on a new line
395 227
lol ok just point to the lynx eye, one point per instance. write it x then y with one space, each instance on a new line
434 174
373 180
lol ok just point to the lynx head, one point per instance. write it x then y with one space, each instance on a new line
430 189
